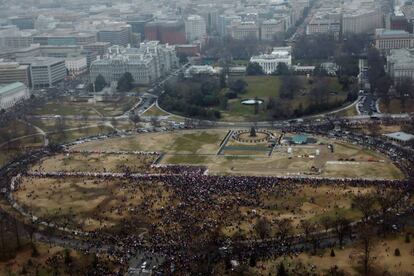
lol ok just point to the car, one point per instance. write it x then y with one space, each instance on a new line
144 265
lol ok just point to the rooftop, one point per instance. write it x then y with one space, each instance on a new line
40 61
4 88
400 136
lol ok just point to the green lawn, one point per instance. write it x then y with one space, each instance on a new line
185 159
66 107
155 111
264 87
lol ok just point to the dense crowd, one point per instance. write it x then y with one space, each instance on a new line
178 227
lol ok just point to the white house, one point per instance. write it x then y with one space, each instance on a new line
269 62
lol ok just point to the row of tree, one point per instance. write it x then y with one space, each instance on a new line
125 83
195 98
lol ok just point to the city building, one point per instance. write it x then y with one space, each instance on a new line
116 34
400 64
324 24
269 62
195 28
166 32
225 21
138 24
361 16
14 72
269 29
76 64
64 37
146 64
12 93
188 49
393 39
243 30
45 71
23 22
394 22
98 47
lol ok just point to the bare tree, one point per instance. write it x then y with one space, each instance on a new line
340 226
155 122
135 119
365 248
365 203
262 228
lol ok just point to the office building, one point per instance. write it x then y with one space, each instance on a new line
400 64
116 34
269 29
195 28
14 72
244 30
45 71
166 32
393 39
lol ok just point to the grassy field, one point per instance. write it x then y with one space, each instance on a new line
155 111
65 107
15 129
201 147
264 87
90 204
177 142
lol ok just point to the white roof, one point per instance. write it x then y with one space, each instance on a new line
400 136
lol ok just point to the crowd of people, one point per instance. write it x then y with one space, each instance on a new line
181 226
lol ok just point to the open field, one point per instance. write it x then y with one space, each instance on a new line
65 107
177 142
91 204
15 129
201 148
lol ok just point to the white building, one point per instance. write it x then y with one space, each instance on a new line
146 64
76 65
11 93
269 62
201 70
400 64
195 28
